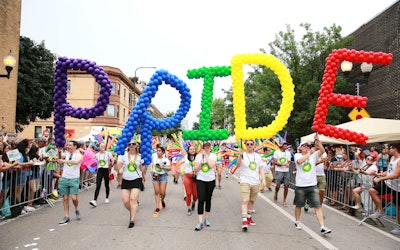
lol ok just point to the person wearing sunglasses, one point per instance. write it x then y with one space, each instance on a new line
204 168
366 172
132 179
282 162
388 182
251 171
306 182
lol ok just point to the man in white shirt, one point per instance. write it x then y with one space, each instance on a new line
282 163
306 182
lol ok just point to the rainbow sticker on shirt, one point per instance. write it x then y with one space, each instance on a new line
102 163
282 160
307 167
158 169
132 167
252 165
70 164
205 168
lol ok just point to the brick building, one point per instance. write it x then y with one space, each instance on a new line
381 33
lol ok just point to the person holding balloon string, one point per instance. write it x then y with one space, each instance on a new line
105 160
159 168
132 179
204 168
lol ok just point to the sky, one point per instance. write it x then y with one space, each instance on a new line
178 35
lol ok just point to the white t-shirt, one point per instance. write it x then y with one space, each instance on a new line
267 164
188 166
103 159
282 158
306 173
205 173
72 171
393 184
131 166
249 168
320 167
164 162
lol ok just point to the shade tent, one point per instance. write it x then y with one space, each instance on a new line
377 129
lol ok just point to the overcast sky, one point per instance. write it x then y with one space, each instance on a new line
178 35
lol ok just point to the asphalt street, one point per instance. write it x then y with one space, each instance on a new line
106 226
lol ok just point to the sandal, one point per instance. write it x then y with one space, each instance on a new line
285 204
156 212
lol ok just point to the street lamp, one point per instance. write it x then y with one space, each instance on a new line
135 81
9 61
366 69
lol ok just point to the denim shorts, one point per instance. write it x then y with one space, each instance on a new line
161 178
282 177
68 186
311 194
22 176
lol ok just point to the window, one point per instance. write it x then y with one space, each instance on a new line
123 117
110 110
118 88
130 98
69 86
124 94
117 111
38 131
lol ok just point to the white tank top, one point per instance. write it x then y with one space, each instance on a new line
395 183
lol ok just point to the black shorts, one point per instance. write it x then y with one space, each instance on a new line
136 183
383 189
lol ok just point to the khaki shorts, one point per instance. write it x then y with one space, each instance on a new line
321 182
249 192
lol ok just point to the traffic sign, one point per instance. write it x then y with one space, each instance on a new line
358 113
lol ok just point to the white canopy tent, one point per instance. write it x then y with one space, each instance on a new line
377 129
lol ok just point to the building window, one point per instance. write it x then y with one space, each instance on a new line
117 111
123 117
130 98
69 86
118 86
124 94
38 132
110 110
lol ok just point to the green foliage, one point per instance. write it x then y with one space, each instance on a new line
218 114
35 83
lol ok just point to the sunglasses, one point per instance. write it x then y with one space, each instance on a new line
249 144
369 158
130 144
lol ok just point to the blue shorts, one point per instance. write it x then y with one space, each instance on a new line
22 176
68 186
282 177
311 194
161 178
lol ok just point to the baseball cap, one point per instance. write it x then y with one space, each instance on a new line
206 144
305 144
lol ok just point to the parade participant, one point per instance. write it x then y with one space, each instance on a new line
159 168
251 169
105 160
282 163
306 182
68 184
189 178
205 163
132 179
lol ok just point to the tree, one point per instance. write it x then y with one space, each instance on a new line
35 83
173 130
218 114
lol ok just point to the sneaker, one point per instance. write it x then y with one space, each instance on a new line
244 225
156 213
226 176
276 196
55 193
131 224
193 206
93 203
376 215
106 201
78 215
64 221
29 209
297 225
207 223
325 230
306 207
163 203
189 212
395 231
356 207
199 226
23 211
251 222
269 189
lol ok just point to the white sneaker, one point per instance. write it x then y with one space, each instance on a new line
376 215
396 230
23 211
93 203
297 225
106 201
29 209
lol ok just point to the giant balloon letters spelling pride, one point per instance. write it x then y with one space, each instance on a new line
140 117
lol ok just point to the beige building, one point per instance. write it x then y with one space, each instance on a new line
83 91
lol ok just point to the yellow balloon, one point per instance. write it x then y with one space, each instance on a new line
239 102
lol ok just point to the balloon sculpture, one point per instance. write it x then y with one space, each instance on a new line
62 108
327 97
140 117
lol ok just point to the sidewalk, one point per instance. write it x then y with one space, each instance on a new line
106 226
